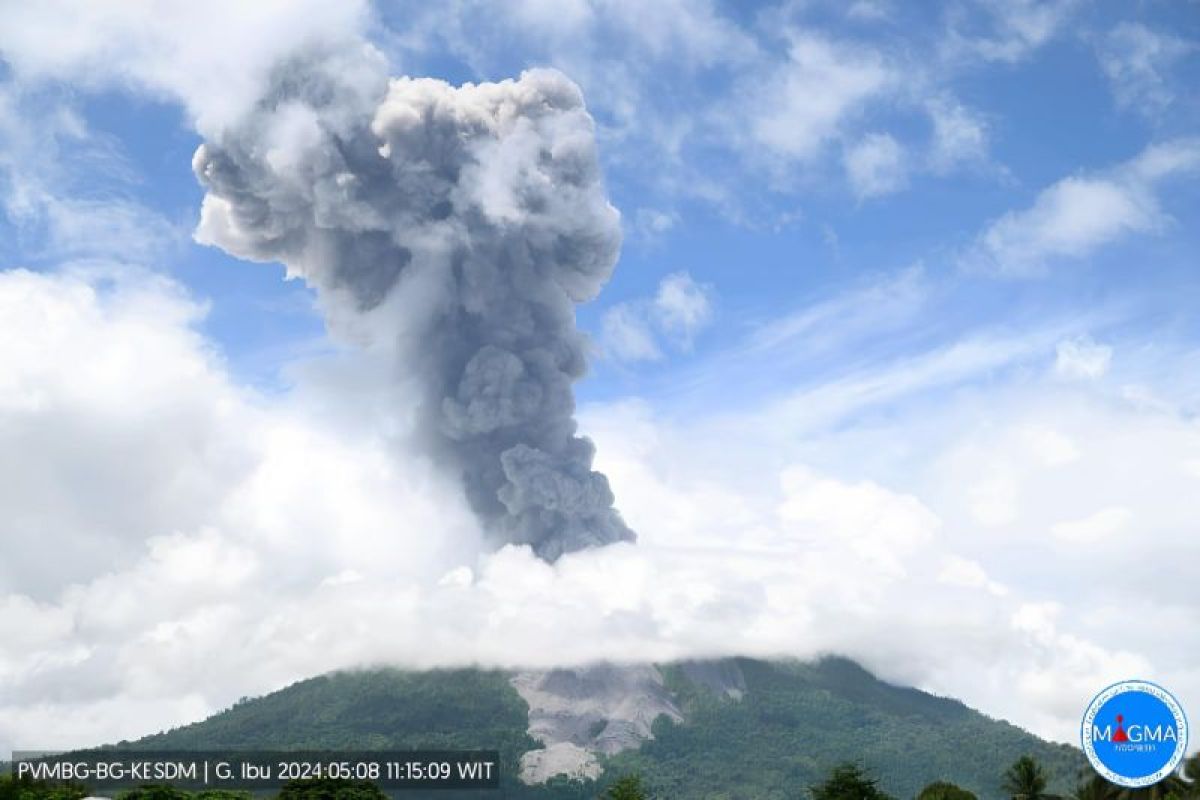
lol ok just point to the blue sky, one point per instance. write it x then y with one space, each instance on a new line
766 229
909 290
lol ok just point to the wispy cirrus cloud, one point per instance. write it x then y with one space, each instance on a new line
1139 63
1004 31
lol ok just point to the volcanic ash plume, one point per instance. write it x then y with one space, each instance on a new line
467 222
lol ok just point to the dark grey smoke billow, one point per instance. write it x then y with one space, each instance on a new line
471 221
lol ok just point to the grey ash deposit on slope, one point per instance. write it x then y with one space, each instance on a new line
460 227
604 709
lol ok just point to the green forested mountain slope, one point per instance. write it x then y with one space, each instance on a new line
798 720
795 722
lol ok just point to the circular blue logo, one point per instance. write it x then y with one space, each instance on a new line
1135 733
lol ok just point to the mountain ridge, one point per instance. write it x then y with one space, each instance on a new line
729 728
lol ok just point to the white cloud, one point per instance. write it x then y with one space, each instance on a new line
1013 29
1071 218
959 571
1038 619
960 135
1137 62
875 165
804 105
690 95
1079 214
121 229
694 31
643 68
879 526
893 498
682 307
152 507
162 513
1103 524
729 86
1050 446
1082 358
640 330
874 384
869 10
993 500
627 335
883 303
213 57
286 532
45 149
653 222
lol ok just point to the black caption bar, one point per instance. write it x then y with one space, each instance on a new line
411 769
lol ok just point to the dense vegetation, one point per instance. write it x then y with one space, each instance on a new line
463 709
796 723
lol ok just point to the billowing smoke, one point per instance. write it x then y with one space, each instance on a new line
468 221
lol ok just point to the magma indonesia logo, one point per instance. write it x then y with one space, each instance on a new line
1135 733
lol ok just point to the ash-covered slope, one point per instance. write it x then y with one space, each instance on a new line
736 728
581 714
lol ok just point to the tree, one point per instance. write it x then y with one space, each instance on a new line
1171 786
1191 767
1191 773
1095 788
223 794
13 788
626 788
155 792
941 790
1025 780
330 789
848 782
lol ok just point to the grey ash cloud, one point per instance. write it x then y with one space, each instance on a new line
464 223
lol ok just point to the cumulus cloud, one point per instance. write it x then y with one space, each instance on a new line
1071 218
641 330
147 497
285 533
875 165
1077 215
167 48
912 525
